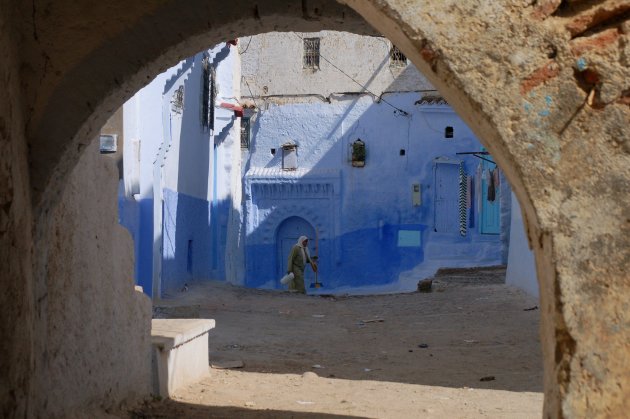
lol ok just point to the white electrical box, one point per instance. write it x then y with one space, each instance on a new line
108 143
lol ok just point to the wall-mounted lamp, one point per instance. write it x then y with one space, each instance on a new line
358 153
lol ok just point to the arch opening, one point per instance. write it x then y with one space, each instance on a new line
523 115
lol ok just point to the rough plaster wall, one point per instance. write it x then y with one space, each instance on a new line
16 297
273 66
93 329
494 61
552 106
63 55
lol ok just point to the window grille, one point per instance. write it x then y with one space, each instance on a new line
177 101
396 58
209 92
245 132
311 53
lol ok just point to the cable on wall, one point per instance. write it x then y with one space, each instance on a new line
397 109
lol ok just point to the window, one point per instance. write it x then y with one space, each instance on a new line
289 156
177 101
358 153
209 93
448 132
245 132
396 58
311 53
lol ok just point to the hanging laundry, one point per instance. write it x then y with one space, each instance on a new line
463 194
471 199
478 187
469 191
491 185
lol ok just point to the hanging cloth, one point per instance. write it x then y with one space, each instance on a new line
478 188
469 191
491 185
306 257
463 208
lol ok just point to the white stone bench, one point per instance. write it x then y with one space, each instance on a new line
179 352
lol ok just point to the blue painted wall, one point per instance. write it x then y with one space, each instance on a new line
137 217
177 199
369 232
193 244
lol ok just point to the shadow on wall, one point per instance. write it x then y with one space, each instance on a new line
195 234
371 228
196 219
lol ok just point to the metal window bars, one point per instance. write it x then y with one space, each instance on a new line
311 53
245 132
396 58
177 100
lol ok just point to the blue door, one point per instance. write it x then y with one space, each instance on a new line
288 234
446 208
490 209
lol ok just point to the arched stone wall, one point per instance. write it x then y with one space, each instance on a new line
543 83
545 86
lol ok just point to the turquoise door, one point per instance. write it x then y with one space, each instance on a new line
490 210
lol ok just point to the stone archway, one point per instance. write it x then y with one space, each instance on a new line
542 83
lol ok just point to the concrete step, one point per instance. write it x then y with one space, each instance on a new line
180 353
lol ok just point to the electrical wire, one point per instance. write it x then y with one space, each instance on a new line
245 50
250 93
362 86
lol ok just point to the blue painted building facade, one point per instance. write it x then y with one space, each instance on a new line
376 182
414 206
181 150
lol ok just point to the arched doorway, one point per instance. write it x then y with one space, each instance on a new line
287 236
551 104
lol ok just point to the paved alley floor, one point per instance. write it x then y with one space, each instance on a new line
468 349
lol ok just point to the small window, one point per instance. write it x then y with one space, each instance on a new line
396 58
289 156
245 132
177 101
209 93
311 53
448 132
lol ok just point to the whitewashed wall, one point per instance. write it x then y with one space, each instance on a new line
272 65
521 271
